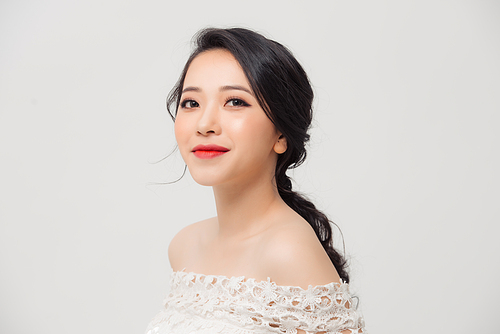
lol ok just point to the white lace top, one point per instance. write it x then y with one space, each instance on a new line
218 304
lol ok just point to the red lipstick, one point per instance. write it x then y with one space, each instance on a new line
209 151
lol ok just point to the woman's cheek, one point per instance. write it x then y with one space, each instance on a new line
181 133
233 124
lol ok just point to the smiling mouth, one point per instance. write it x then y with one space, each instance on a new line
209 151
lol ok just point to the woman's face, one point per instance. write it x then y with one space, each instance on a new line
223 134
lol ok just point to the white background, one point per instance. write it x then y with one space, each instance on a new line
404 155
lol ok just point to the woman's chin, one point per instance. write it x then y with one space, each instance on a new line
204 183
205 179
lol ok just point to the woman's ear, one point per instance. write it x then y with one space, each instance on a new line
280 145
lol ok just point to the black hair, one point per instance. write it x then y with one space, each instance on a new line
284 92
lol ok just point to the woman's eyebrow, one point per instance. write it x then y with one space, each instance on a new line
221 89
236 87
191 89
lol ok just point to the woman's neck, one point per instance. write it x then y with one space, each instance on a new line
246 209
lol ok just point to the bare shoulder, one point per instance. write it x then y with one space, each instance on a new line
294 256
187 242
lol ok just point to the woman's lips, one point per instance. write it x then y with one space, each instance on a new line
209 151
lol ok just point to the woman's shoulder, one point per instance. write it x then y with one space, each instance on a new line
187 241
294 256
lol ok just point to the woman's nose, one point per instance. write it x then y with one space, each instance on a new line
209 121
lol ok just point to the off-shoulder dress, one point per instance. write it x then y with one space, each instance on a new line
209 304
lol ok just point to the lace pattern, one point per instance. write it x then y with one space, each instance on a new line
200 303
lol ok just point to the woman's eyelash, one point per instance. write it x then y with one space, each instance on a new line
188 103
237 102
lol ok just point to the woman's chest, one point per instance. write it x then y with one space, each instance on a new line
228 259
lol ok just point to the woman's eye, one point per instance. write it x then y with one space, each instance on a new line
189 104
237 103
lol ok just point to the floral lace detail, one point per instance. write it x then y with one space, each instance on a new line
200 303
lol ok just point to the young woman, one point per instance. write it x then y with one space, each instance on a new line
265 263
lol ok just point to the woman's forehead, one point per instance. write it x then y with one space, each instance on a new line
215 68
